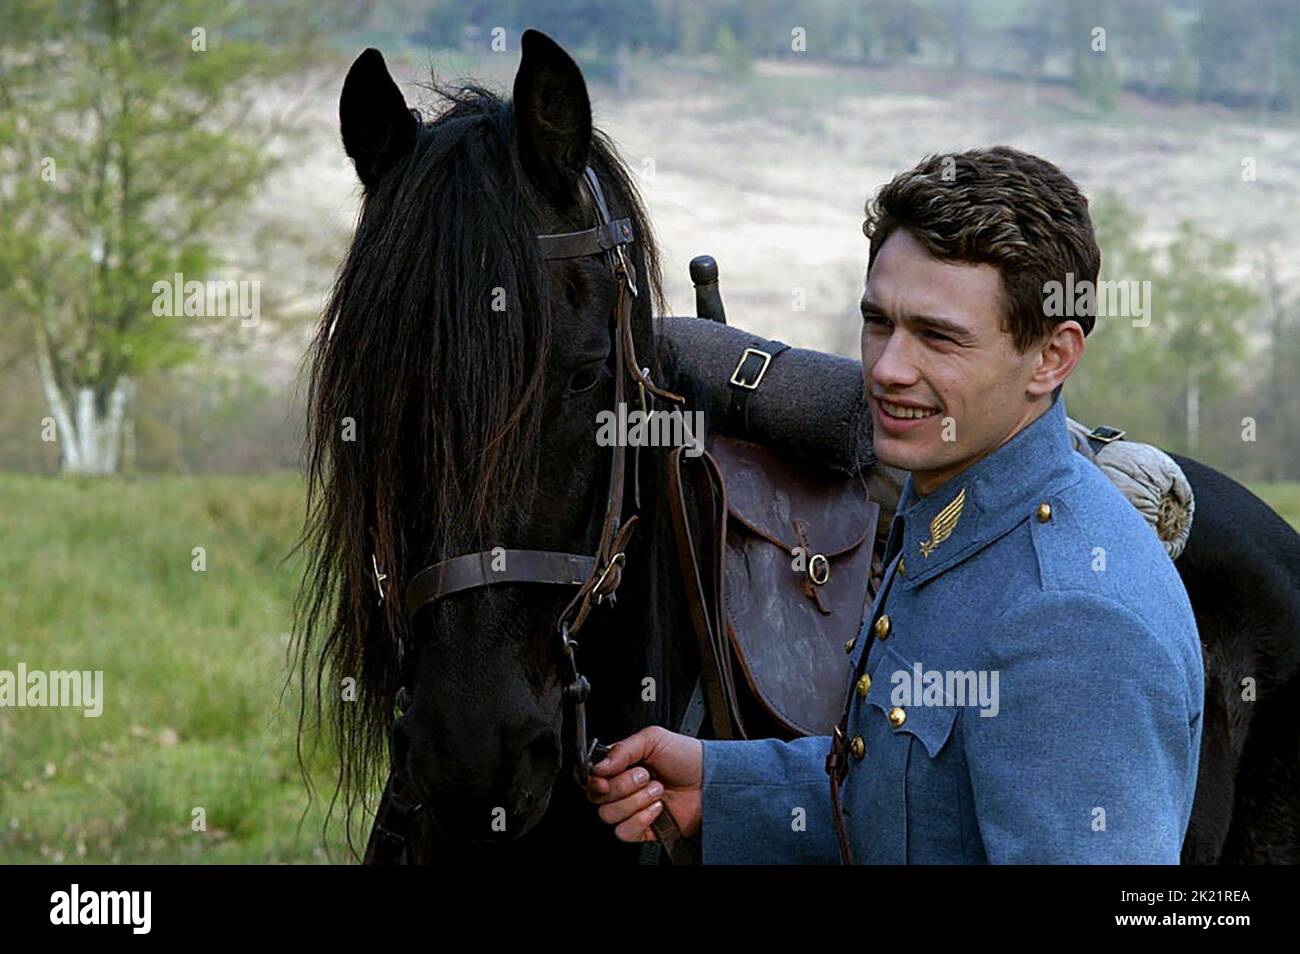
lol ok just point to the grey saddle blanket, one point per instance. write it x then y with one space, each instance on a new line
808 405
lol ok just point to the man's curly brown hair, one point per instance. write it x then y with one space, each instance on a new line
1001 207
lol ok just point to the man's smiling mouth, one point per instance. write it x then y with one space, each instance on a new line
905 411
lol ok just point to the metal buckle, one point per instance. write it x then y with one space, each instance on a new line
623 271
615 562
819 560
1106 434
741 382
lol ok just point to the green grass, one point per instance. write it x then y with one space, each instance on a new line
1283 497
97 576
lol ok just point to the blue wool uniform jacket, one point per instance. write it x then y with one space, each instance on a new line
1027 688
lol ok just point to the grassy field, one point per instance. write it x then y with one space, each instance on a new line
1282 497
97 575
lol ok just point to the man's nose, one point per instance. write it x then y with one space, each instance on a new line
894 367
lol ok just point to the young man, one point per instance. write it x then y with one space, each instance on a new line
1028 687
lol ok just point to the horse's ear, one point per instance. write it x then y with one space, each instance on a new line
378 128
552 116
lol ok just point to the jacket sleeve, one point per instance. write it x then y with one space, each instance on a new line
1091 757
767 802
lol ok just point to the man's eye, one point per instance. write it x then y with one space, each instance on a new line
879 321
935 336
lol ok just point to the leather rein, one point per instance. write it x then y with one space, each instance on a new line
597 575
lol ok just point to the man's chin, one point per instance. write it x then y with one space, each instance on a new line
902 454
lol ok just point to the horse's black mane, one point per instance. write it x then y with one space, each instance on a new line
423 410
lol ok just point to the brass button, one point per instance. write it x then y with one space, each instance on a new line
858 747
864 686
897 716
849 644
882 626
902 567
1044 512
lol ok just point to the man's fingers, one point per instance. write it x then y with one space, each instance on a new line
625 752
637 827
615 812
602 791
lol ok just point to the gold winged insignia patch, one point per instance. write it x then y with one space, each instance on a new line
943 524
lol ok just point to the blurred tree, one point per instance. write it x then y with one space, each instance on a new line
1120 360
1147 43
1205 310
958 23
1223 40
899 27
125 134
1093 70
1275 399
732 56
1036 36
1153 380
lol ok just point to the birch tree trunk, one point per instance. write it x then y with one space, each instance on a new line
88 420
1193 409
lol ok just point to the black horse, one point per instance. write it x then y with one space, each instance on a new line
454 386
1241 568
473 371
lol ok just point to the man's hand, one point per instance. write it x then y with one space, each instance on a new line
642 774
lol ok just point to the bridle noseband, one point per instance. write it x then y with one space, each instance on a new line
598 575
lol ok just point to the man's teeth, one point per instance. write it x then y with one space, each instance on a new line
898 410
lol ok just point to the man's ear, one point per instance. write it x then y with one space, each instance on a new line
1058 355
378 128
552 116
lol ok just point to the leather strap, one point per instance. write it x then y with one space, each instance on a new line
592 241
691 723
751 368
389 841
693 715
706 606
473 570
836 767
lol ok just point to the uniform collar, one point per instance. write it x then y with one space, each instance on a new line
985 501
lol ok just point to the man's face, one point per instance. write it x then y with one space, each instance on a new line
945 384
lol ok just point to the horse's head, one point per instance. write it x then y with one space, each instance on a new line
456 382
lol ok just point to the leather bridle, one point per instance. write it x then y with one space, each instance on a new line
597 576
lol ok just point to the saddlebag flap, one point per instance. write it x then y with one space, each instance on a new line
796 572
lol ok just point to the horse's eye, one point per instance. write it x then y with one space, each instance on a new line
586 378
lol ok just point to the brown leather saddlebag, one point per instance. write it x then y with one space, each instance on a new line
778 566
